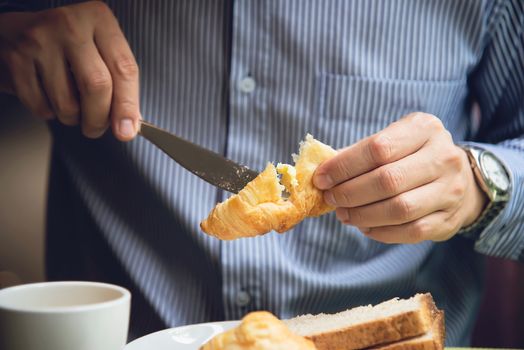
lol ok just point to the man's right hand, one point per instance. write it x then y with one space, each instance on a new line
74 63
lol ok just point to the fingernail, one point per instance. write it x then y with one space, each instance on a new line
127 128
94 133
329 198
323 181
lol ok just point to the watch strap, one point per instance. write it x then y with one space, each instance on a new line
486 217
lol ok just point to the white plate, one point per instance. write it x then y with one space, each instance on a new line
181 338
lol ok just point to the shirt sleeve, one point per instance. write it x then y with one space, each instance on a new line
497 85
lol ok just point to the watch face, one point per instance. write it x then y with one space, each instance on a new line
494 171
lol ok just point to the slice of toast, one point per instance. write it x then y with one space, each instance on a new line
368 326
432 340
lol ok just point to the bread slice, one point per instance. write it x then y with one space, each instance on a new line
368 326
260 207
433 340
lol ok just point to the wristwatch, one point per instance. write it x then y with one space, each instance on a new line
494 180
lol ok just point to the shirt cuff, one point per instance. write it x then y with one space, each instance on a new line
504 235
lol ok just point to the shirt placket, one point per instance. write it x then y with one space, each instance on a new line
247 135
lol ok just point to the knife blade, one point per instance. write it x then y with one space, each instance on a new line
206 164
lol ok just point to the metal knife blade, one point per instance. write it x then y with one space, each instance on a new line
208 165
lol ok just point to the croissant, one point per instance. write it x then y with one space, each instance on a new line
260 207
259 330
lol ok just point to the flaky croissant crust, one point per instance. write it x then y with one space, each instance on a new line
259 330
260 207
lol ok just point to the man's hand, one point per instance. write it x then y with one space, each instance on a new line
72 62
406 184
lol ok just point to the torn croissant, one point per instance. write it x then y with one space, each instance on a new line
260 206
259 330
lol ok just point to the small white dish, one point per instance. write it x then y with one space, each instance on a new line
181 338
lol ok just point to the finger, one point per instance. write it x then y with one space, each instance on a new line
29 90
386 181
125 112
438 226
395 142
59 87
400 209
94 85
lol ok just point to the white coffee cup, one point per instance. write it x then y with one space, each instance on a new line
64 316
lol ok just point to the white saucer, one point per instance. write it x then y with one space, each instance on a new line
181 338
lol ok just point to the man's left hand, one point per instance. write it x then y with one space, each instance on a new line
405 184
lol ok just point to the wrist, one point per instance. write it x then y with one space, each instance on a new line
477 199
490 192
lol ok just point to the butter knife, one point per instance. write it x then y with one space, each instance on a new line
208 165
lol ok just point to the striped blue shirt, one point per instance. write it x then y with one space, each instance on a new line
249 79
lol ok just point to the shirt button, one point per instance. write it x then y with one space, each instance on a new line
243 298
247 85
491 240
